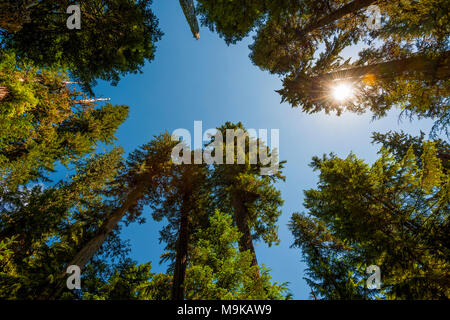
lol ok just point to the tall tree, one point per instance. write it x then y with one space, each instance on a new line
417 82
398 64
46 224
303 40
127 281
398 143
393 214
136 184
233 20
43 120
14 14
242 190
184 203
219 270
116 38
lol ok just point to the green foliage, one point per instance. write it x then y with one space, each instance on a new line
116 38
5 250
303 41
393 214
43 121
257 194
47 224
185 192
219 271
189 12
131 282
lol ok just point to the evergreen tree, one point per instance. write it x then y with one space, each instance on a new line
242 190
128 281
398 143
218 270
13 14
43 226
183 201
136 184
43 230
189 12
393 214
116 37
43 120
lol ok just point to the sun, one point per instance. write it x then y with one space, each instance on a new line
342 92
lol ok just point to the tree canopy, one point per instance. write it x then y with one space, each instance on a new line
393 214
404 63
116 37
43 120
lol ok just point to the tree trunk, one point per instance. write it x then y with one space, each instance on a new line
87 252
181 255
189 12
90 248
241 218
336 15
437 67
4 92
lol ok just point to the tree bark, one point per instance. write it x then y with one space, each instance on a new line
419 67
90 248
242 223
189 12
4 93
335 15
445 157
181 254
437 67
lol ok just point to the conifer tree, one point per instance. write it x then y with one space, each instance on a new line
218 270
44 225
393 214
13 14
250 196
116 37
184 203
402 63
189 12
128 281
43 120
135 185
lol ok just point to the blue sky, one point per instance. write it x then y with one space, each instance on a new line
209 81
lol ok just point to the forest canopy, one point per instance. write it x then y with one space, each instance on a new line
392 213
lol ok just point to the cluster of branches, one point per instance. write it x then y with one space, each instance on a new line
405 63
393 214
117 36
45 120
46 227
